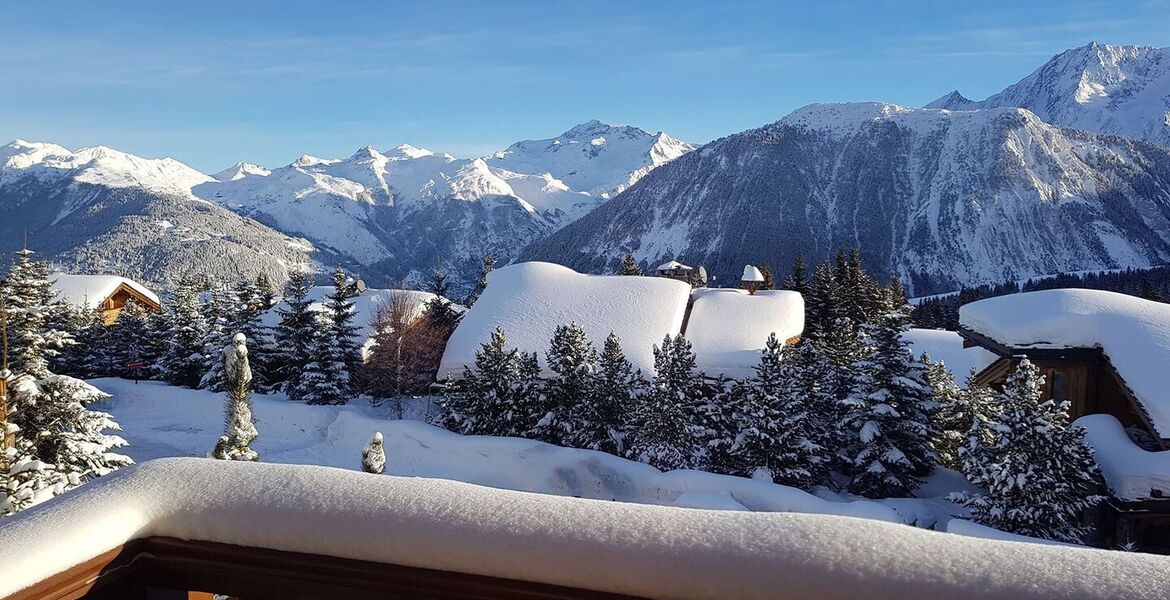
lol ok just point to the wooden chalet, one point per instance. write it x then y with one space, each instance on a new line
687 274
107 293
1088 379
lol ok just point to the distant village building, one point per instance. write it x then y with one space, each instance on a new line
107 293
676 270
1106 354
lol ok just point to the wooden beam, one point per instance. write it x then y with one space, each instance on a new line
171 565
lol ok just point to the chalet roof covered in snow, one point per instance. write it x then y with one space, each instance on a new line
529 300
638 550
728 327
1131 472
673 265
91 290
1133 333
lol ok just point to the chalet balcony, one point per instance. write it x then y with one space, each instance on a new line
190 528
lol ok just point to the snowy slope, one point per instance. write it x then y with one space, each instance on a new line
1098 87
940 198
102 211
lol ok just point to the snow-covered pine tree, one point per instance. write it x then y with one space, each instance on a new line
489 263
669 434
778 438
126 340
327 378
239 425
374 455
886 418
573 360
220 314
952 421
183 363
88 357
797 281
602 419
439 312
501 396
630 266
32 308
294 335
822 303
769 282
860 297
253 299
1039 475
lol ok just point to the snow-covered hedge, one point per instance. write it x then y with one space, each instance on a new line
650 551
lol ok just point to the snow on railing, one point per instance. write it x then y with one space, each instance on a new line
639 550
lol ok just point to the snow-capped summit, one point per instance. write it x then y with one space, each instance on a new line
951 101
95 165
593 157
241 170
407 151
1097 87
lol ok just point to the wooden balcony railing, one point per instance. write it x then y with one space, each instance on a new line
161 568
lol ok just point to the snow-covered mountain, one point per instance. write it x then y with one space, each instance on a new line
395 213
601 160
103 211
1097 87
389 215
938 197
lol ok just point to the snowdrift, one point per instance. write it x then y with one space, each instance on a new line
1134 334
1131 472
648 551
728 327
529 300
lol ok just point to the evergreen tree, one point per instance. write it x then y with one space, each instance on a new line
127 340
670 434
769 282
822 303
602 417
439 311
26 481
239 425
219 313
294 336
183 363
888 414
489 263
32 310
630 266
573 361
860 297
952 420
778 438
327 378
1038 473
797 281
89 357
500 396
253 300
374 455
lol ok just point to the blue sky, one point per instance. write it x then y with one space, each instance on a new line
210 83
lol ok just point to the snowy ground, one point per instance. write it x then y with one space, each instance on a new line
161 421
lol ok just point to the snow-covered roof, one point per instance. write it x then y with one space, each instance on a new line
751 273
728 328
1131 472
947 347
91 290
529 300
639 550
672 266
1134 334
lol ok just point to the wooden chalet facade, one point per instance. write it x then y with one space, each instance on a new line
1087 379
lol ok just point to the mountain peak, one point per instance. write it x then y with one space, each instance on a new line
952 101
241 170
365 153
593 128
408 151
308 160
